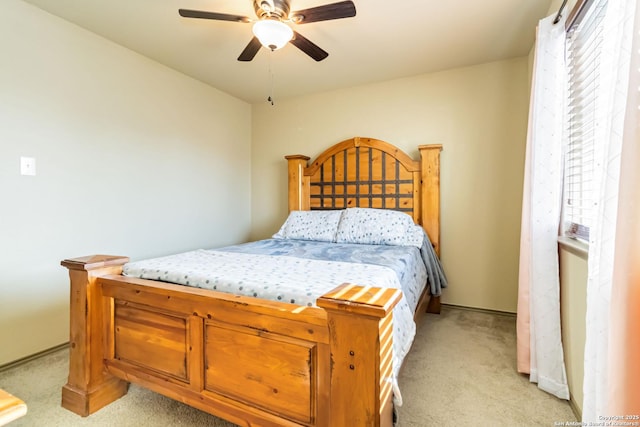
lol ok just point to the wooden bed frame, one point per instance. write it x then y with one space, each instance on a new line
251 361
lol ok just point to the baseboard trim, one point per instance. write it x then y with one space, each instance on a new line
480 310
33 357
574 407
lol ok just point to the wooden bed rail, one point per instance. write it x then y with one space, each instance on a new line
247 360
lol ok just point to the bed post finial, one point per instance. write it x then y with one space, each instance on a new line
430 200
298 185
361 373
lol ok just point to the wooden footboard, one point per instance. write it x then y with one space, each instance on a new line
250 361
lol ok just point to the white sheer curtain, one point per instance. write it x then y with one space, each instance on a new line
540 350
612 109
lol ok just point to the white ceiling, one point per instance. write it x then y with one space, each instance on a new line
385 40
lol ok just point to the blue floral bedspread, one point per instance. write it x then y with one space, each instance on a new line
405 261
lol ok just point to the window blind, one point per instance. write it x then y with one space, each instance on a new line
583 47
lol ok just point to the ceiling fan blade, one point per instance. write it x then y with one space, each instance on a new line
343 9
187 13
250 51
308 47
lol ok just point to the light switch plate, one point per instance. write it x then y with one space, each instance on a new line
27 166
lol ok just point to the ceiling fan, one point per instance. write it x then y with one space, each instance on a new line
271 30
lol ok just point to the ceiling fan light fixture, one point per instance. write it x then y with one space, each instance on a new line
272 34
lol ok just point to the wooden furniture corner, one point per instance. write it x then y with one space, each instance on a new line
11 408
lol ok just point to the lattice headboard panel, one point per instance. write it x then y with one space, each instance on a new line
365 177
365 172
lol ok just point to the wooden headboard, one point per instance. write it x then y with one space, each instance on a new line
369 173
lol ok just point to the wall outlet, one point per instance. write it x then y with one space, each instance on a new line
27 166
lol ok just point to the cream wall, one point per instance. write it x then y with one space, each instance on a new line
479 115
573 307
132 159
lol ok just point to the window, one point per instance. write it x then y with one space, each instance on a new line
584 39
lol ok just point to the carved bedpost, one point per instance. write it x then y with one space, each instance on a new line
298 185
360 323
89 386
430 201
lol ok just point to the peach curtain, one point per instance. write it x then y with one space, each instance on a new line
624 344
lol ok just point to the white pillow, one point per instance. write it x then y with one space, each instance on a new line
310 225
378 227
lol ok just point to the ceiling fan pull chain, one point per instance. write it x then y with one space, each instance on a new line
270 98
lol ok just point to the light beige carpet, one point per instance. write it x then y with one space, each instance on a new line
460 372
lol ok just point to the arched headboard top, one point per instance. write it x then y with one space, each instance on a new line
367 172
391 150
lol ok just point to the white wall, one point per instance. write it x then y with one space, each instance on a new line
132 159
479 115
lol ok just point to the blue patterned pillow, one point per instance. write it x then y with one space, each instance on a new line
310 225
378 227
415 236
